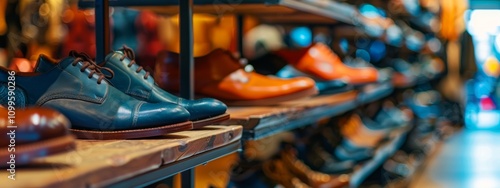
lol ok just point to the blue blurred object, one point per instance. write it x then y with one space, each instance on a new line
324 86
481 103
496 46
424 104
301 36
412 7
124 30
415 41
344 45
371 11
394 35
322 38
363 54
377 50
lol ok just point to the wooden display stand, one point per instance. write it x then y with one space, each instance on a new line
264 121
102 163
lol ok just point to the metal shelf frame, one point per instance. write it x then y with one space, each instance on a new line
179 167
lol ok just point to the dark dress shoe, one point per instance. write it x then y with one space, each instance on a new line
33 132
134 81
78 89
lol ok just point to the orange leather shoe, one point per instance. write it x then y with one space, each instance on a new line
220 75
3 22
319 60
354 130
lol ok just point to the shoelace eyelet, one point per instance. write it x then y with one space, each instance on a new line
129 53
88 63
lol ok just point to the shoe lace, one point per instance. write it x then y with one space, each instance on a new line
88 63
129 53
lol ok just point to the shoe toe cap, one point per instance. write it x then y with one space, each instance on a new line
160 114
205 108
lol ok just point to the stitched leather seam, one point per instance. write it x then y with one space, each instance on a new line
139 95
44 100
136 115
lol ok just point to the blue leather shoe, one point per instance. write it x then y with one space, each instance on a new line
79 90
133 80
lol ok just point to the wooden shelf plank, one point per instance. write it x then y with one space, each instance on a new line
374 92
91 163
270 11
259 122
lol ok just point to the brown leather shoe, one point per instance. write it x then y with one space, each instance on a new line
319 60
35 132
278 173
220 75
312 178
353 129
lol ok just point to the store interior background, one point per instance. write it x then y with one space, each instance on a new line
461 153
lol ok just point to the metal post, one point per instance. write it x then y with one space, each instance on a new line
186 67
101 29
187 179
186 47
239 34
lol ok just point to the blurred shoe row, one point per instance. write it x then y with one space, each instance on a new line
281 75
437 120
328 154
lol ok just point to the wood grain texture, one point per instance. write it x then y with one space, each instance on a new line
98 163
267 13
293 113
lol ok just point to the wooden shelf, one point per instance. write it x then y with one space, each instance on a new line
103 163
374 92
270 11
259 122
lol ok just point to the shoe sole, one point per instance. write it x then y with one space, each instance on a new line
275 100
210 121
129 134
27 152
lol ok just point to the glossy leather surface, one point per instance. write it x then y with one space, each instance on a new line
221 76
88 104
33 124
319 61
272 64
133 83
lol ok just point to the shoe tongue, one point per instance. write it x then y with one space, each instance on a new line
111 54
44 63
108 58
